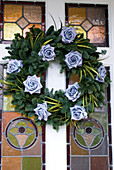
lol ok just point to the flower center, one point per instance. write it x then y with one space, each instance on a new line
72 91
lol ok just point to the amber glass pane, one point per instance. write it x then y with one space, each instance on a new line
10 29
96 15
87 25
74 79
11 163
8 150
22 22
12 12
97 34
80 30
32 13
77 15
30 25
8 116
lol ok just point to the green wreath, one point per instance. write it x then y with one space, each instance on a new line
28 61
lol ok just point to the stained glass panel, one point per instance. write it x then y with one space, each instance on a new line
90 19
19 17
89 146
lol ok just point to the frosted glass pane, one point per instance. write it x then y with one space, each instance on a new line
32 13
10 29
97 34
96 15
12 12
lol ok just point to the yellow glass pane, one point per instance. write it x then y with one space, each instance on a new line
77 15
32 13
29 26
10 29
7 106
12 12
80 30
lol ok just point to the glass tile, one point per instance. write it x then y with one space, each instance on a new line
32 13
30 163
77 15
8 116
7 106
110 154
29 140
86 25
11 163
10 29
79 29
99 163
75 150
35 150
102 118
97 34
43 153
102 150
22 23
96 15
29 26
80 163
12 12
0 129
8 150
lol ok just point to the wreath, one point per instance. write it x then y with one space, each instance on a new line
28 61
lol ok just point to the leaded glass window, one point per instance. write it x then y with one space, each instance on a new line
91 20
89 144
18 17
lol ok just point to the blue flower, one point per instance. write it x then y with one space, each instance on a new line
47 52
14 66
73 59
78 112
72 92
32 84
42 112
68 34
102 74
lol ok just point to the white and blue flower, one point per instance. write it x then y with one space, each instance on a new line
73 59
32 84
72 92
68 34
47 52
42 112
78 112
14 66
102 74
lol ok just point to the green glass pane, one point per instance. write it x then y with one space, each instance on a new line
79 29
22 123
96 140
90 124
29 140
96 131
81 131
7 106
80 140
102 118
13 140
14 130
31 163
28 130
